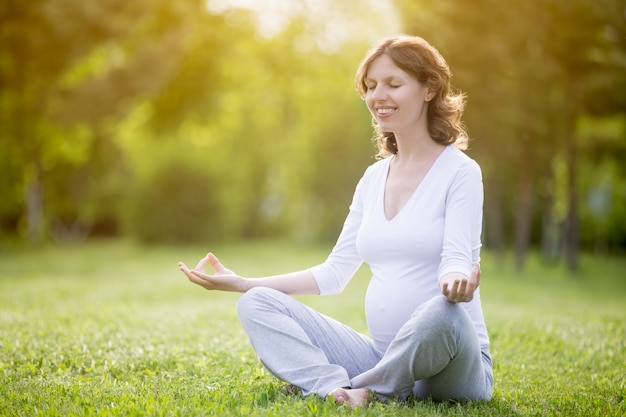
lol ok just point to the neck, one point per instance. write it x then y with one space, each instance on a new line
417 148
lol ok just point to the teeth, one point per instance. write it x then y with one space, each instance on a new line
385 111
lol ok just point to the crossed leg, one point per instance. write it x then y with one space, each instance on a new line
437 347
436 354
304 347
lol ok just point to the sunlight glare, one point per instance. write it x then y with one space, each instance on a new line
339 21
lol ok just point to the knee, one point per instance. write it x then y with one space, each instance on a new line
441 314
440 307
251 301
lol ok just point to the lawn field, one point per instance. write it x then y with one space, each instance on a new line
114 329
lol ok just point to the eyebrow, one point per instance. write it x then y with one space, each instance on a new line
386 79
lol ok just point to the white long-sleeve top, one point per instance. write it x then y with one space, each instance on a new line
436 232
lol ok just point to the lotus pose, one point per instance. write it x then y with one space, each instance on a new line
415 219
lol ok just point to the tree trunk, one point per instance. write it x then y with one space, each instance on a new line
33 200
551 225
572 222
494 219
523 217
550 234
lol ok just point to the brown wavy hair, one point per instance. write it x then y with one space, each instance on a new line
420 59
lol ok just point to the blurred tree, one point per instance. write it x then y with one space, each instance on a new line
176 150
273 141
107 105
326 144
270 141
186 125
603 180
529 72
68 69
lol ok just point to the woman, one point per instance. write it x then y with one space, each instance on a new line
416 220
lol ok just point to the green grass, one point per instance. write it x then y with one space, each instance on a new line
113 329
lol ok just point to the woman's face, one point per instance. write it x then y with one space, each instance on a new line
395 98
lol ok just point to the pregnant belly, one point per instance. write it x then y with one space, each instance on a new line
388 305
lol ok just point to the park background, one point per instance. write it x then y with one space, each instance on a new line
134 134
178 122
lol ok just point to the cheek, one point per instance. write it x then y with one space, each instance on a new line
369 103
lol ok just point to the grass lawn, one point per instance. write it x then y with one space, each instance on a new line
112 329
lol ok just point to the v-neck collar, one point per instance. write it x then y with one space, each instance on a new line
415 192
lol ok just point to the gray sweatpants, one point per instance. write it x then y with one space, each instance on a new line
436 354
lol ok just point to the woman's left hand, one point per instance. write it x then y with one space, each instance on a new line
223 279
459 289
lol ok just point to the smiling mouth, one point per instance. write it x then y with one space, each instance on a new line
385 111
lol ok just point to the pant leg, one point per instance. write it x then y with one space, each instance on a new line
436 354
301 346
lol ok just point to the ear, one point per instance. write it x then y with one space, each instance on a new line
431 93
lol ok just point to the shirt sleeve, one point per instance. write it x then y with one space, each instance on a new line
333 275
463 221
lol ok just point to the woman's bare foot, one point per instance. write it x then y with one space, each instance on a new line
355 398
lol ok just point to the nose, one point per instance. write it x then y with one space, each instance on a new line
377 93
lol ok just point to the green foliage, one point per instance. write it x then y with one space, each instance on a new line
90 124
177 80
604 215
113 329
273 168
533 71
174 205
70 69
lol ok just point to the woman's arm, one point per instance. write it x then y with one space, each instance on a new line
329 277
459 272
223 279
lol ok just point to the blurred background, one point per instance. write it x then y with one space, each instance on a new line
179 122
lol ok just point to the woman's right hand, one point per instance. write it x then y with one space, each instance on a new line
222 279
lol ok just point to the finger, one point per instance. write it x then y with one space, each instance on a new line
200 275
455 288
449 291
215 263
469 294
445 289
467 290
463 287
194 276
202 262
186 271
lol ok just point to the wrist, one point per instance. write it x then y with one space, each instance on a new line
245 284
